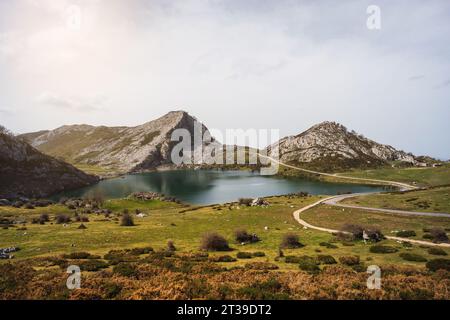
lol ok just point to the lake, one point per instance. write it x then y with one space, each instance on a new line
213 186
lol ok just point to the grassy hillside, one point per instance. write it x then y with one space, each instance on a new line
430 200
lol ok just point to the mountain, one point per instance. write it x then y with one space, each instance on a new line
116 149
329 146
26 172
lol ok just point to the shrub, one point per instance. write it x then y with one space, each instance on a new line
79 255
326 259
355 230
171 246
438 264
292 259
125 269
62 218
374 235
349 260
44 217
245 201
428 236
406 233
412 257
214 242
258 254
308 264
439 235
244 255
139 251
242 236
225 258
92 265
261 266
291 241
328 245
437 252
82 227
127 220
383 249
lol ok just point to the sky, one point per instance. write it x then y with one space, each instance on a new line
263 64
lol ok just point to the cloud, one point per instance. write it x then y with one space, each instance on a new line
416 77
5 112
444 84
75 104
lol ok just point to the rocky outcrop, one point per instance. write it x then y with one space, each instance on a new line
119 149
331 146
26 172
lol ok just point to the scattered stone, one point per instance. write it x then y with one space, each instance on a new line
5 253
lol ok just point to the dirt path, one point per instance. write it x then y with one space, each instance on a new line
403 186
310 226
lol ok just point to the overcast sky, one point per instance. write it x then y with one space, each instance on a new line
233 64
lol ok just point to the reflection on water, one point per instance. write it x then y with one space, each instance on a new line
211 186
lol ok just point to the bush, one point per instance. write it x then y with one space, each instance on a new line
225 258
428 236
214 242
92 265
244 255
412 257
438 264
125 269
355 230
326 259
437 252
62 218
261 266
140 251
308 264
44 217
291 241
79 255
406 233
127 220
328 245
292 259
439 235
349 260
383 249
242 236
171 246
259 254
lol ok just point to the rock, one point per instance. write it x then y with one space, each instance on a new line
259 202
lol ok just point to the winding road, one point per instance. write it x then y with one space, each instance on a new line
334 201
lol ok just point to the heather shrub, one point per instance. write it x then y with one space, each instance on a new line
412 257
291 241
349 260
438 264
127 220
437 252
439 235
326 259
171 246
92 265
245 201
244 255
406 233
62 218
125 269
225 258
258 254
382 249
328 245
214 242
242 236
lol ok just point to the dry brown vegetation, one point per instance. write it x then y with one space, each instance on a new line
144 274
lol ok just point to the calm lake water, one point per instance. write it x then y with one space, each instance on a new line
211 186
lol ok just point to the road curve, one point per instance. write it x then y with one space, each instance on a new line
310 226
403 186
334 201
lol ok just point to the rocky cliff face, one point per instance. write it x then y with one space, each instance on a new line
26 172
118 149
331 146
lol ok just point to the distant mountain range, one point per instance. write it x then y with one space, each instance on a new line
35 163
327 146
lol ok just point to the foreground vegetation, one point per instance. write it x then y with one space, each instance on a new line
168 250
435 199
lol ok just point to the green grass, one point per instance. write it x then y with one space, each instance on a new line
334 218
420 176
429 200
166 221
